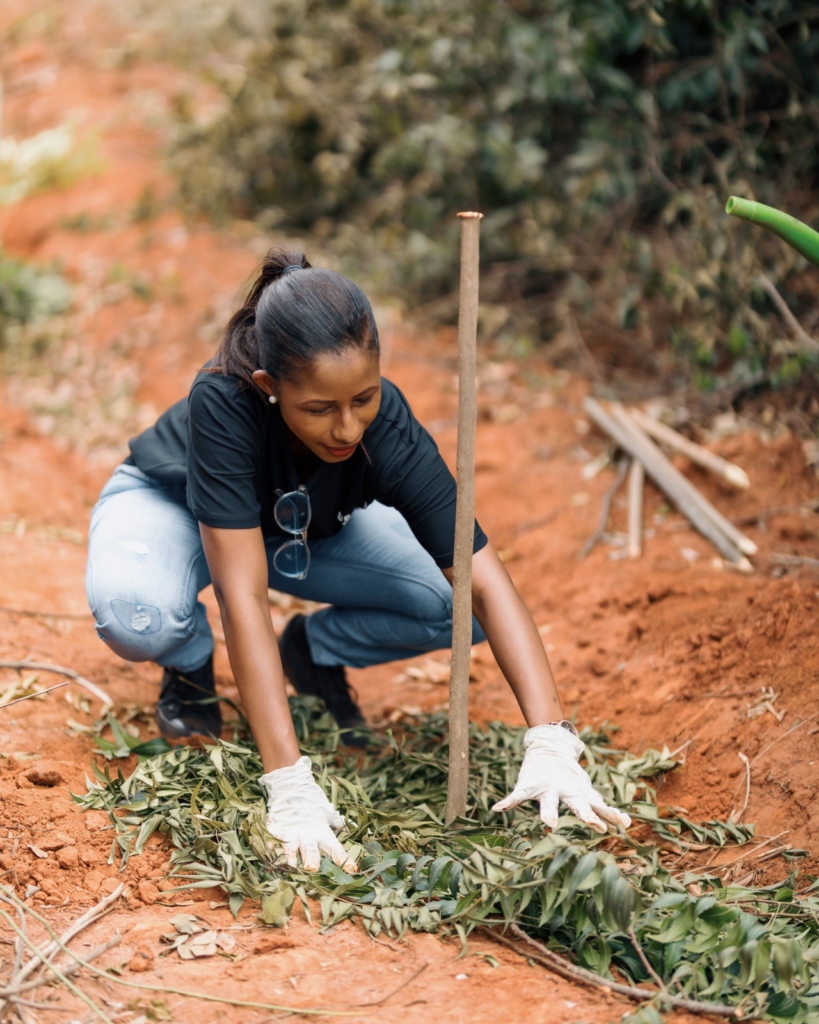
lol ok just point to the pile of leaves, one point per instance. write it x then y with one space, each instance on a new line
607 902
600 138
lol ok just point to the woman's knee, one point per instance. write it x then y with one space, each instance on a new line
436 633
139 630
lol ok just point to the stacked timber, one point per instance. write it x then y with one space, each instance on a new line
636 434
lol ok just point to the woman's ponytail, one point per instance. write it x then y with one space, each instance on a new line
238 354
290 319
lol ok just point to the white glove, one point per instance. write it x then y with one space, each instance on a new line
301 816
550 773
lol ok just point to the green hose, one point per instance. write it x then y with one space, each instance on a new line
804 239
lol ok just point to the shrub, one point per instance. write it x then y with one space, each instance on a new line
600 138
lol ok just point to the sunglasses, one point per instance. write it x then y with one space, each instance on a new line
292 512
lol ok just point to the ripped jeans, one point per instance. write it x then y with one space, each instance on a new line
146 568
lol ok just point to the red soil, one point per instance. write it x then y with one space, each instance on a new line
668 648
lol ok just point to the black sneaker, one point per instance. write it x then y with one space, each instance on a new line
180 710
326 681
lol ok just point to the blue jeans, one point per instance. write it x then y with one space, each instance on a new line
146 567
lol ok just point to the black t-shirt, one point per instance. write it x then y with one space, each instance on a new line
229 450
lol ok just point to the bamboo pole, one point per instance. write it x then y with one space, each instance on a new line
626 433
464 520
636 481
660 432
736 536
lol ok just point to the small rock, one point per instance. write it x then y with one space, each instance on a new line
93 880
272 944
143 959
68 857
148 892
48 777
108 885
55 841
96 820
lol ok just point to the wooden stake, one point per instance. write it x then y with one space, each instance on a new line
464 521
736 536
636 481
627 434
734 474
605 511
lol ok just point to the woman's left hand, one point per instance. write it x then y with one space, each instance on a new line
550 774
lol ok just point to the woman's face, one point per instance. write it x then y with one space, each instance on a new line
333 402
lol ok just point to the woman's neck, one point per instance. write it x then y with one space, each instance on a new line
305 461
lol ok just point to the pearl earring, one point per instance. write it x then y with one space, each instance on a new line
272 399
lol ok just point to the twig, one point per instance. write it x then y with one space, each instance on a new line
566 969
767 285
749 854
775 853
702 456
395 991
583 348
9 896
58 973
88 918
31 614
605 511
744 807
793 560
30 1005
29 696
645 961
18 950
785 735
38 666
68 969
777 510
636 485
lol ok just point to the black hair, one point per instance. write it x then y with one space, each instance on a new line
289 319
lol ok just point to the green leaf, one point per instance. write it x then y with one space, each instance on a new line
276 907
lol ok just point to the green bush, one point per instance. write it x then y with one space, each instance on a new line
600 138
27 295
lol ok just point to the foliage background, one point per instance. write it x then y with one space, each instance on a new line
600 137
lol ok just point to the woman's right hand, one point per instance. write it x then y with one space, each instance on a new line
302 818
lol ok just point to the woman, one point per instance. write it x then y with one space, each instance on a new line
292 464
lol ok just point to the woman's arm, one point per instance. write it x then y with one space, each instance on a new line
550 773
299 813
513 637
238 569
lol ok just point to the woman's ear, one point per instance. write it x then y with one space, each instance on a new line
263 380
